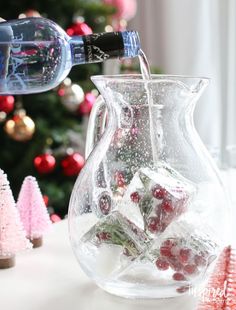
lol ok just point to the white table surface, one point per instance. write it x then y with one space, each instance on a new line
49 278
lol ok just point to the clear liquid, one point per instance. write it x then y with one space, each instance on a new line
144 66
34 56
32 66
146 75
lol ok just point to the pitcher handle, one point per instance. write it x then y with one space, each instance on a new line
96 125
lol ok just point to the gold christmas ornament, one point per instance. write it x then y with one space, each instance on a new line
21 127
72 95
3 116
29 13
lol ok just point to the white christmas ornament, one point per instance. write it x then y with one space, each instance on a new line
72 95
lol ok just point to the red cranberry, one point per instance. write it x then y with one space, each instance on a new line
200 259
154 225
166 248
166 251
169 243
190 269
178 276
175 264
183 289
158 192
119 178
103 236
135 197
105 204
167 206
184 255
162 264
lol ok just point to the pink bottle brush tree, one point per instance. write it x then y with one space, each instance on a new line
12 234
33 211
220 292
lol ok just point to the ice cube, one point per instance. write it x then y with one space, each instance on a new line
186 248
154 199
167 194
108 259
116 230
168 180
129 205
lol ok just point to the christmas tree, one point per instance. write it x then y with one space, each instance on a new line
33 211
47 131
220 292
43 134
12 234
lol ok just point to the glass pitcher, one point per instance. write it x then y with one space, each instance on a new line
148 214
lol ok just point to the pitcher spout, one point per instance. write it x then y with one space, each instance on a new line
200 86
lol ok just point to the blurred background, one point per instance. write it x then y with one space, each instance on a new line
188 37
192 37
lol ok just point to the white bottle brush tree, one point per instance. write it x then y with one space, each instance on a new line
12 234
33 212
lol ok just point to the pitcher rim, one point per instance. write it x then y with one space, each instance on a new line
133 77
156 78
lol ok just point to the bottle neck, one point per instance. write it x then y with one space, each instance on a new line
77 50
102 46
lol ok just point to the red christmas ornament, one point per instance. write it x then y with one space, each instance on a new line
79 28
46 200
55 218
6 104
86 106
72 164
126 9
44 163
